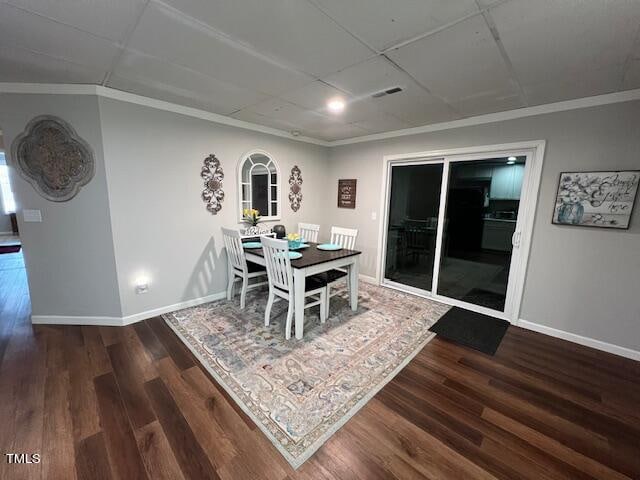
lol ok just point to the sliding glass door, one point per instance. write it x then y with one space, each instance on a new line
413 224
451 229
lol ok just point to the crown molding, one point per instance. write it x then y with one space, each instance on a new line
84 89
106 92
585 102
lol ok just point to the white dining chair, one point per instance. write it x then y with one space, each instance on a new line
346 238
309 231
239 269
276 255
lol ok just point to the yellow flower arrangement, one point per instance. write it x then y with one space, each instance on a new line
251 216
293 236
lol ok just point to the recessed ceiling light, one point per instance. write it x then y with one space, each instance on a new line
335 105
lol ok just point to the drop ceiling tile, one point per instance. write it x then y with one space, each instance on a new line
292 31
314 96
40 35
565 40
383 23
165 33
382 122
18 65
416 107
294 115
597 82
461 65
413 105
106 18
336 132
252 117
368 77
145 72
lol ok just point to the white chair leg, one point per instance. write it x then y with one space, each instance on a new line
287 326
243 293
324 304
230 286
267 311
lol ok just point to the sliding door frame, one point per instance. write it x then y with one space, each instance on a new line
534 151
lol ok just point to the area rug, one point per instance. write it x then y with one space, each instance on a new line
300 392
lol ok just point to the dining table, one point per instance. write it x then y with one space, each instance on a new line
312 262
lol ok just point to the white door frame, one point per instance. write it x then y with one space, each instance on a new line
534 151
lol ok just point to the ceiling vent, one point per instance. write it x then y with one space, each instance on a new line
387 92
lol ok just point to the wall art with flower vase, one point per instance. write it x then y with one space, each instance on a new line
212 174
596 199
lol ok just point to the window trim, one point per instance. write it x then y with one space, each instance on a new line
243 158
3 200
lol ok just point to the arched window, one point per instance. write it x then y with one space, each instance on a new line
260 185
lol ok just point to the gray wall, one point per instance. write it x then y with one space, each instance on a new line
160 225
580 280
69 256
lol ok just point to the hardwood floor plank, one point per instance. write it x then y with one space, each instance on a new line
58 454
124 456
128 376
194 398
553 447
156 452
191 458
92 460
99 362
175 348
151 343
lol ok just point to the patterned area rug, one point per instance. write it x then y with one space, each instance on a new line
300 392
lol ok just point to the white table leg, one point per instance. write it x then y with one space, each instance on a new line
353 284
298 286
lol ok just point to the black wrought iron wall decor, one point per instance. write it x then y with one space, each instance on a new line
295 190
212 174
51 156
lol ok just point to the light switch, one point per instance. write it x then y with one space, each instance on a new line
374 215
32 215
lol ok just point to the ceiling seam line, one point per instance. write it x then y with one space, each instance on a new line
247 47
505 57
127 37
453 23
345 29
64 24
424 87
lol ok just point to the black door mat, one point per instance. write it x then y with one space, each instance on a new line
471 329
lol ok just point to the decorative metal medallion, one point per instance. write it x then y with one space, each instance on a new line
51 156
213 175
295 191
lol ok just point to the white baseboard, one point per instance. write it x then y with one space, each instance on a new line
126 320
76 320
7 233
136 317
575 338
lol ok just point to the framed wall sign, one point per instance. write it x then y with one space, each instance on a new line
596 199
347 193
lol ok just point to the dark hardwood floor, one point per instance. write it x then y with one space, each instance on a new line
132 403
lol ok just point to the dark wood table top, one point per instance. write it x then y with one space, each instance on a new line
311 255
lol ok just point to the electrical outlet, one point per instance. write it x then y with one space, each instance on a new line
374 215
